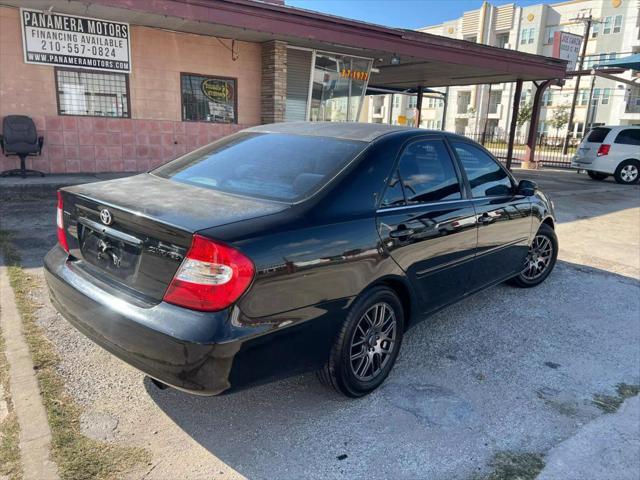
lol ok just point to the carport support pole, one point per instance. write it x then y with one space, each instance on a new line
514 122
419 105
529 156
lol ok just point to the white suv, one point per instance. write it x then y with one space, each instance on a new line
610 150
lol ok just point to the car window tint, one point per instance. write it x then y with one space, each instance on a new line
393 195
282 167
427 172
597 135
631 136
486 177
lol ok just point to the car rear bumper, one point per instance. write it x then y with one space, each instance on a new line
168 343
200 352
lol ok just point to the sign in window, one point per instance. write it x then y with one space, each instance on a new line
208 99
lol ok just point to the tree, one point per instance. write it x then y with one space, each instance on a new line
524 114
559 118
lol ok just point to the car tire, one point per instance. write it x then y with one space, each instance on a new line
596 175
628 172
538 265
376 320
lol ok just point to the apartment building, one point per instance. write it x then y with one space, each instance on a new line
474 110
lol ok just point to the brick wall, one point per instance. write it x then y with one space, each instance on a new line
156 133
274 81
78 144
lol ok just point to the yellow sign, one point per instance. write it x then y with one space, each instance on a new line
616 3
217 90
402 120
530 17
354 74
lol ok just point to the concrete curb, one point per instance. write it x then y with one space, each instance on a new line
35 435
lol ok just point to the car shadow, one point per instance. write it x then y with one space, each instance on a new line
498 371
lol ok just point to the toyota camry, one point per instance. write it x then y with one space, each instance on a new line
292 247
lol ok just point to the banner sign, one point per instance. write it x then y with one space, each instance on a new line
566 46
72 41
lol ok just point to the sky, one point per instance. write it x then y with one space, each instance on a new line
399 13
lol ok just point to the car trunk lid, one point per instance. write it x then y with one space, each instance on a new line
133 233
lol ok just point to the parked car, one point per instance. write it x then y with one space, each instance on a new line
291 247
610 150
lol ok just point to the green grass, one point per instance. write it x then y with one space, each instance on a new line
9 430
515 466
611 403
77 456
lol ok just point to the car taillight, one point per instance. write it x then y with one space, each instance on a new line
211 277
604 150
62 236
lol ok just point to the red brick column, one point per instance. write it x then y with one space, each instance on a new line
274 81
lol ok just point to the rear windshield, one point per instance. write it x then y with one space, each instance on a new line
597 135
275 166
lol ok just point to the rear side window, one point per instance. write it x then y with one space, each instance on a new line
486 177
630 136
275 166
597 135
427 174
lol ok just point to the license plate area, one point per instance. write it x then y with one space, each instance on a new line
111 251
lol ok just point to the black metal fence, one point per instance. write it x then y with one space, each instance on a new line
549 150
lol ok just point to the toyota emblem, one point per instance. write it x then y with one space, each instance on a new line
105 216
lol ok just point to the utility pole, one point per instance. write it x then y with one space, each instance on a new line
591 109
587 21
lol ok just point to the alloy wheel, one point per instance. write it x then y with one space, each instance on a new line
372 341
538 259
629 173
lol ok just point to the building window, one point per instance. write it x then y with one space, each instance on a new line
606 95
208 99
495 99
547 98
413 101
606 30
617 24
584 96
502 39
527 35
532 33
89 93
595 29
550 34
396 101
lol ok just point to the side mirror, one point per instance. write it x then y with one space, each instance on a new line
527 188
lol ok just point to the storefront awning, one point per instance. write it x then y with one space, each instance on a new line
402 58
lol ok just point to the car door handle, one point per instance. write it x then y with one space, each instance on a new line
485 219
401 232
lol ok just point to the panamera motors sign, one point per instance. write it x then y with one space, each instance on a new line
68 40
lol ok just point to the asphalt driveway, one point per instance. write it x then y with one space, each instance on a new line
508 373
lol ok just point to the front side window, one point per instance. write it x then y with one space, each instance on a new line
281 167
89 93
630 136
208 99
427 173
486 177
606 26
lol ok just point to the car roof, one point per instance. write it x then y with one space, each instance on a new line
616 127
364 132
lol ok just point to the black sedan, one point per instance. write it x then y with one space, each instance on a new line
291 247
